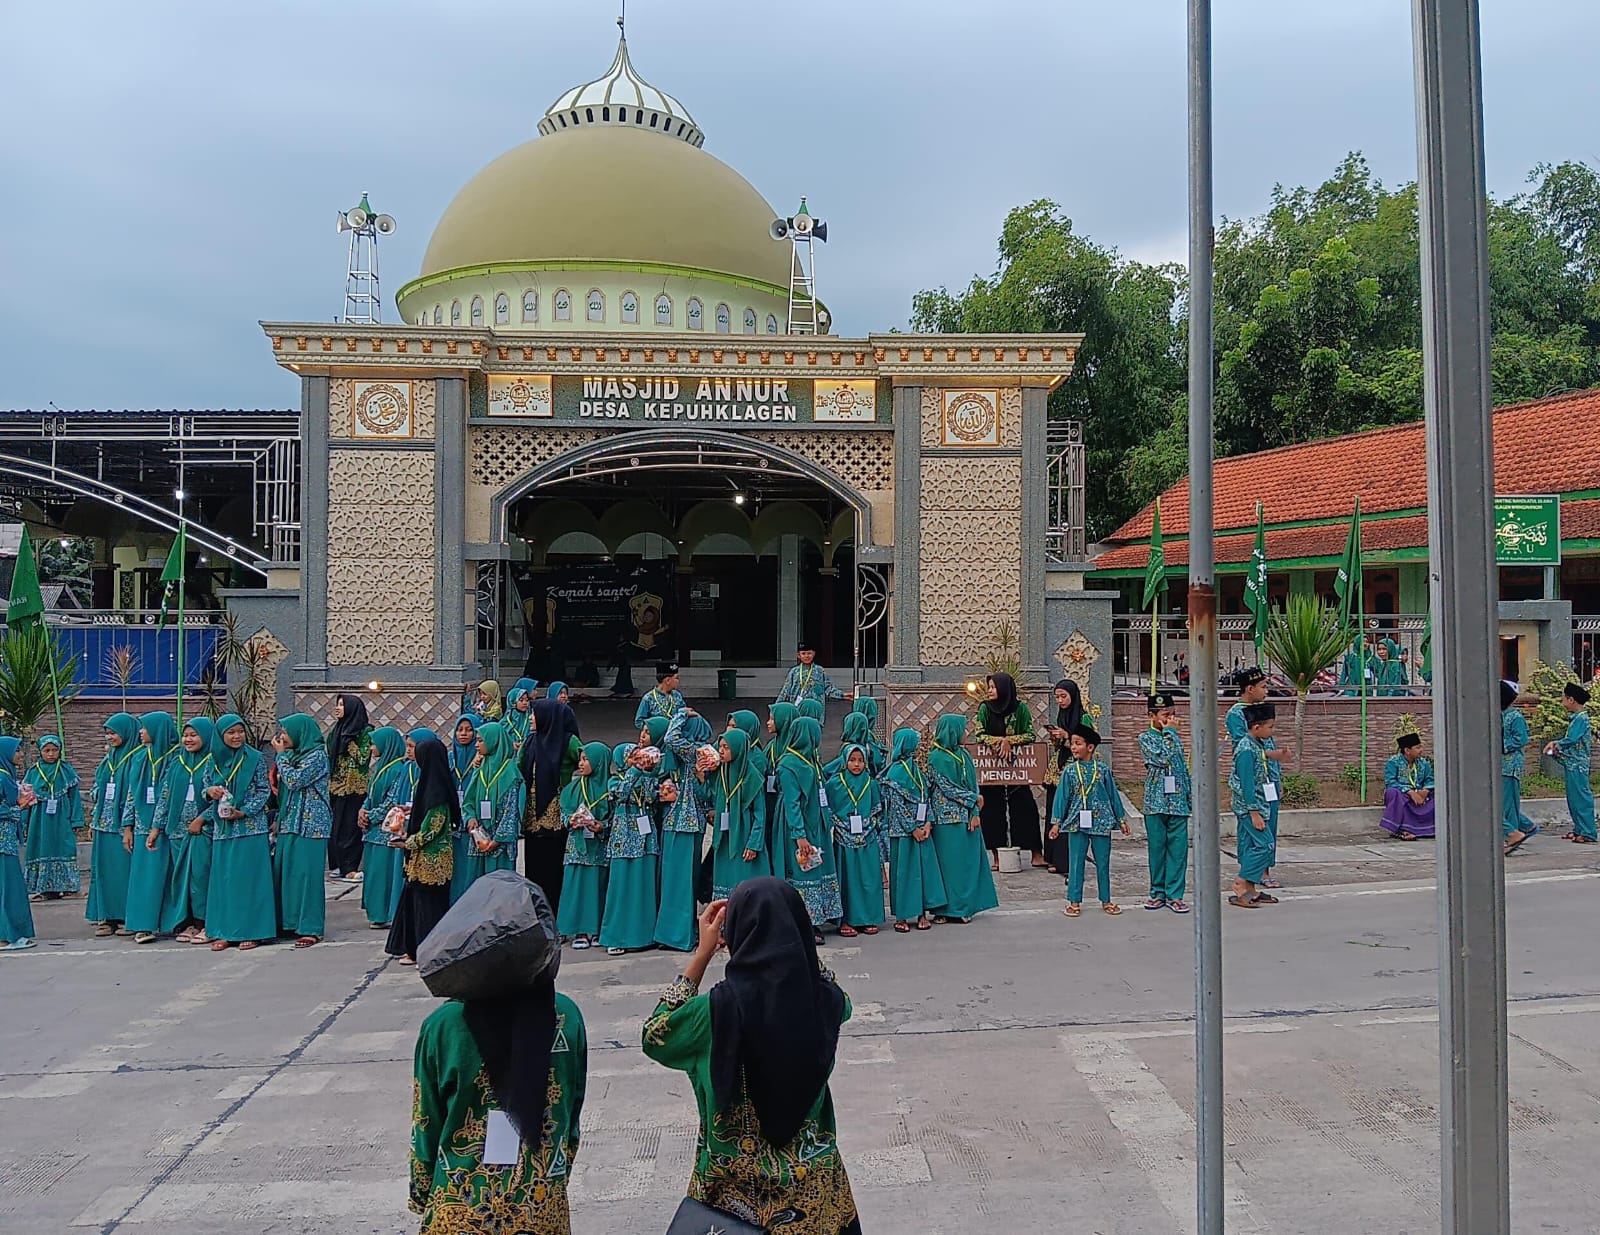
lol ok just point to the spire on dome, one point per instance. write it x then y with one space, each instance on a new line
621 97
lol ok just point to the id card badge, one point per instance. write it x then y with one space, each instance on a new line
857 825
149 795
501 1144
189 793
1170 785
1270 791
49 806
822 798
1085 820
722 823
772 784
111 791
644 825
922 812
485 809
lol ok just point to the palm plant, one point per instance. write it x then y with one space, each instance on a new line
1304 640
27 687
122 666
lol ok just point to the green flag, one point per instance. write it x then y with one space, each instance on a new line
172 576
1155 572
27 602
1347 583
1255 584
1427 648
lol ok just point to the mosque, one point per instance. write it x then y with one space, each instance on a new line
614 428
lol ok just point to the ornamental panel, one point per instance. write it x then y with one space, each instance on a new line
424 405
380 637
380 477
339 403
381 409
972 482
932 414
1011 416
971 557
863 461
970 418
500 454
399 583
404 706
367 531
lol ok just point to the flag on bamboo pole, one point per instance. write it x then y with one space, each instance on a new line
26 608
172 577
1155 571
1347 582
1255 584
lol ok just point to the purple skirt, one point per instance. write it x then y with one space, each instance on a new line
1401 814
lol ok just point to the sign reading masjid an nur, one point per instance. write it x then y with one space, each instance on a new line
732 402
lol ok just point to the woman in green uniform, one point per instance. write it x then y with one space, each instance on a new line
633 853
182 809
758 1051
305 821
586 814
52 850
390 786
241 906
493 803
957 841
738 815
916 888
142 830
807 846
855 814
434 817
110 859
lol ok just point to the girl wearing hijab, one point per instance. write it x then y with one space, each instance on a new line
109 857
586 814
809 862
957 843
391 786
683 827
143 830
304 822
1515 827
463 748
1069 715
855 814
548 762
766 780
738 815
758 1051
812 709
493 806
915 886
52 849
559 691
435 817
241 904
350 752
490 705
780 716
1004 721
857 732
16 918
518 701
181 808
877 756
633 849
521 1056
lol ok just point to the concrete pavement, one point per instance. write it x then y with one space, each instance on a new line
1021 1074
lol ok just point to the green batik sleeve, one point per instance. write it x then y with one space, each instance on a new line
578 1045
426 1119
437 821
678 1032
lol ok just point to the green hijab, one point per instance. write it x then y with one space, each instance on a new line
590 790
947 756
903 771
783 717
867 706
498 755
811 709
390 761
737 780
858 784
303 733
127 728
236 767
163 731
749 724
805 735
207 733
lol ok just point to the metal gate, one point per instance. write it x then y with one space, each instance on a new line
873 597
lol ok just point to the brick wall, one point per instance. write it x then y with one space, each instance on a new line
1333 734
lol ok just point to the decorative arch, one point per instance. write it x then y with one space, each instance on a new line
626 519
779 519
734 452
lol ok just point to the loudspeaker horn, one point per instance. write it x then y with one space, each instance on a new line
820 232
385 224
357 217
779 229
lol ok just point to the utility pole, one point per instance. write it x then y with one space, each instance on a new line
1474 1169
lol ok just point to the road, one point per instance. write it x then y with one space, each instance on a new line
1021 1074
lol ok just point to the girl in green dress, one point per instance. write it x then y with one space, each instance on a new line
520 1056
548 761
877 756
758 1051
350 753
304 821
916 888
492 807
241 904
143 831
390 786
683 827
855 813
110 859
16 917
516 719
857 732
633 852
763 766
182 809
434 817
738 815
586 814
957 842
52 849
809 862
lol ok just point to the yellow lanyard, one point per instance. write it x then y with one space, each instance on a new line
916 775
1094 777
807 673
855 798
1411 773
50 781
664 702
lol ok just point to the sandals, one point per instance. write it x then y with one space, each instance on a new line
924 925
1110 908
1178 906
219 945
249 945
104 930
849 932
186 935
200 937
867 930
145 937
1265 898
616 951
902 928
1513 845
1072 911
1582 840
407 960
306 941
1271 882
1156 902
1240 902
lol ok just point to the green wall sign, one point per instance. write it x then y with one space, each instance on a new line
746 401
1527 531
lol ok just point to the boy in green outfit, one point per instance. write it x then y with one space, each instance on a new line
1248 789
1166 807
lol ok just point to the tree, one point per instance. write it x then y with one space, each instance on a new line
68 563
1304 640
26 691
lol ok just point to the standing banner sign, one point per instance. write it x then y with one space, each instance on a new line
1527 531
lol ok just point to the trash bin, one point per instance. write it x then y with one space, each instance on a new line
727 683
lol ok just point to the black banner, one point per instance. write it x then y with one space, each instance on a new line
582 619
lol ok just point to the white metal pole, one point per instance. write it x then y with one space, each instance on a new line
1474 1173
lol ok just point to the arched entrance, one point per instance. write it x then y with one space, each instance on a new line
705 547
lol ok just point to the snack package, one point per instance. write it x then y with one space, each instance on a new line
647 756
395 821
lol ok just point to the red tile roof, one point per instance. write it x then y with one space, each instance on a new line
1551 445
1284 544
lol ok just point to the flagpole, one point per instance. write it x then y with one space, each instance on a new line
1361 629
1155 637
182 548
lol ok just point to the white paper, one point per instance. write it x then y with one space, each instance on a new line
149 795
857 826
49 806
111 791
772 784
501 1144
1085 819
1170 785
723 822
922 812
189 793
485 810
1269 791
822 797
644 825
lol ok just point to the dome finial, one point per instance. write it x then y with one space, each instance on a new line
621 96
622 20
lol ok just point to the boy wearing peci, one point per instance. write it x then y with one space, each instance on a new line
1573 752
1087 806
1166 807
1408 791
1249 790
664 701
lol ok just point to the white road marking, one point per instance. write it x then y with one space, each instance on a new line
1553 1007
1159 1135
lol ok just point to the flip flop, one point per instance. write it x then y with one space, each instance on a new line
1513 846
1271 883
306 941
1072 911
1241 903
902 928
249 945
869 930
1111 909
849 932
219 945
924 926
1155 902
1263 898
1178 906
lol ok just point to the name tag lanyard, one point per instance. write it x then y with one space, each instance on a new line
729 795
921 782
1085 790
857 823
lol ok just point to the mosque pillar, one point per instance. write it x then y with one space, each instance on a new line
1035 523
906 615
453 593
313 517
788 596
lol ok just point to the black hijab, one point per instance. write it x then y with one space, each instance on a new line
436 786
515 1033
347 729
554 726
997 711
1071 716
774 1017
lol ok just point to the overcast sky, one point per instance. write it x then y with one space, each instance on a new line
169 171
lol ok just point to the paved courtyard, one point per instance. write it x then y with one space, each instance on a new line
1021 1074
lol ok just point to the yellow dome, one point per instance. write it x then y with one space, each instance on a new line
611 195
